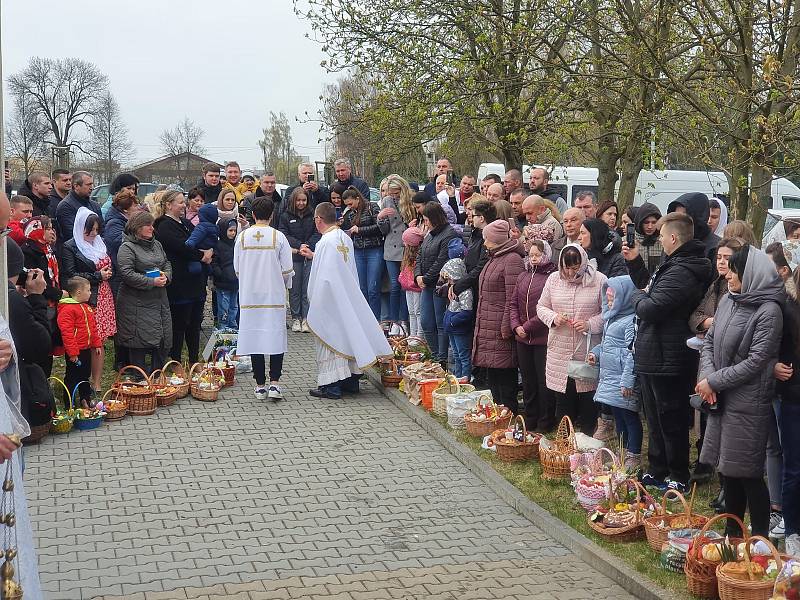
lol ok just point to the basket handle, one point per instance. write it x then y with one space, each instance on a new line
770 545
636 485
173 362
135 368
565 433
75 389
679 496
69 395
696 547
162 381
524 429
194 366
222 351
109 391
597 459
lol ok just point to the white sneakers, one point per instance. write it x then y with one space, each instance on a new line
296 325
398 328
273 392
304 327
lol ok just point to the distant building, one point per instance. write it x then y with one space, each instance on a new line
185 169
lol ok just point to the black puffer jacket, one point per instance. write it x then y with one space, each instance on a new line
73 263
369 233
676 289
222 263
41 206
475 259
697 207
299 230
183 286
433 254
35 258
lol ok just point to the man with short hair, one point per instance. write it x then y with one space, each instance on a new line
573 219
516 199
211 186
307 179
62 184
495 193
443 167
540 185
511 182
487 181
344 345
585 200
267 188
21 210
233 179
37 187
443 195
463 194
663 362
262 260
82 184
343 169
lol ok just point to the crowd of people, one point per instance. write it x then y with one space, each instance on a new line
606 316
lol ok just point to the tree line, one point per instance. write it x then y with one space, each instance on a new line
613 83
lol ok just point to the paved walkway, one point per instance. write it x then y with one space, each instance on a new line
305 498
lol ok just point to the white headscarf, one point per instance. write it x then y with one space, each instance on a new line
723 217
94 252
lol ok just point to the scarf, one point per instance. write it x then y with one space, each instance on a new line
94 251
35 232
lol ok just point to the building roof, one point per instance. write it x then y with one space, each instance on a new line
169 158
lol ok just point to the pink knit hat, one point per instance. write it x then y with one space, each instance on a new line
497 232
413 236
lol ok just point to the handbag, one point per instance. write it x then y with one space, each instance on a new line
581 369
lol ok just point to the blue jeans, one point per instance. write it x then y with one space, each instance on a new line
227 308
398 309
370 265
462 354
789 424
629 423
298 294
432 309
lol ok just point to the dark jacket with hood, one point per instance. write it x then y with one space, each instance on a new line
299 230
210 192
738 357
278 206
112 237
551 193
222 263
184 287
698 207
53 201
675 290
651 253
41 206
609 261
206 233
433 254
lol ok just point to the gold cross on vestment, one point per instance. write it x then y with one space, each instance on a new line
344 250
259 236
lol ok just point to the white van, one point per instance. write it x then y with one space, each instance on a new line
657 187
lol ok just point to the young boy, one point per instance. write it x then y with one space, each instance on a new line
460 311
21 210
226 283
78 327
204 236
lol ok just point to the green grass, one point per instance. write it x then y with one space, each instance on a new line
558 498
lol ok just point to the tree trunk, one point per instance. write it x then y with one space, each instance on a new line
631 165
760 192
512 157
606 174
739 188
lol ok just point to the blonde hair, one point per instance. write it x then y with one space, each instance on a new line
504 210
407 211
162 199
740 229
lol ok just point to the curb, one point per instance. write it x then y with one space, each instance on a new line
609 565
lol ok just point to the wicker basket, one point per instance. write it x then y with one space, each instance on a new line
627 533
657 527
555 458
117 410
138 395
591 496
409 349
206 395
64 420
514 450
448 387
390 372
178 371
415 374
701 574
228 369
731 588
166 394
481 429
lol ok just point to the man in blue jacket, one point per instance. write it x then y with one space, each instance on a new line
344 175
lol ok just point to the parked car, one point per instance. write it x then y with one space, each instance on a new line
100 193
773 225
374 194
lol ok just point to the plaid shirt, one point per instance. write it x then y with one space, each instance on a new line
652 254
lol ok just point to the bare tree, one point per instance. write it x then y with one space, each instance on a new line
278 155
181 141
26 133
109 143
65 93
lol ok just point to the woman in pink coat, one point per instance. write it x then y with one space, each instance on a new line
570 307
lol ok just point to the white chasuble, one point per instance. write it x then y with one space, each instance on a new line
349 337
262 259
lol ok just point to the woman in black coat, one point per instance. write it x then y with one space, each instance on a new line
297 224
186 291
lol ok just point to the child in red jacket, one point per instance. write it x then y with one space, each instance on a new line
79 333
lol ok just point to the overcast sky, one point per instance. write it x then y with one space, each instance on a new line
225 65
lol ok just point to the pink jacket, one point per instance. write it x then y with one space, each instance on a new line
579 300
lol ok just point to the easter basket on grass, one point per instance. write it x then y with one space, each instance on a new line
753 577
515 443
554 454
486 417
705 554
622 522
658 526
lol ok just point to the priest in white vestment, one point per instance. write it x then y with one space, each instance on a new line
262 259
348 337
